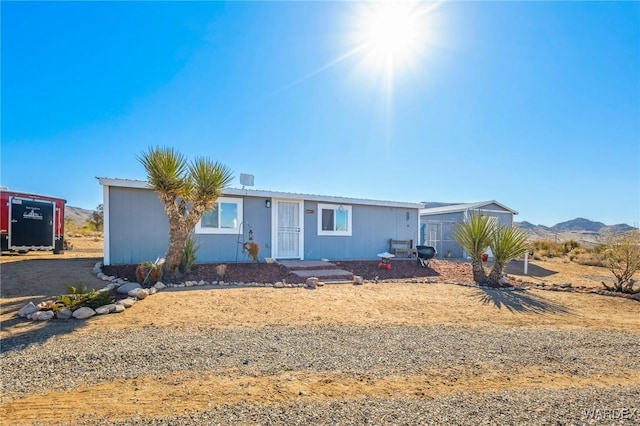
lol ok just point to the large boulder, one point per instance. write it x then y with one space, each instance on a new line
127 303
64 314
42 315
139 293
27 310
312 282
126 288
105 309
83 313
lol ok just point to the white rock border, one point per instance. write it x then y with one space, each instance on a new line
32 312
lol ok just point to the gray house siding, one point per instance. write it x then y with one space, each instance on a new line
228 247
372 227
138 226
137 229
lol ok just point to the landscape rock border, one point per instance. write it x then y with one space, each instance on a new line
135 293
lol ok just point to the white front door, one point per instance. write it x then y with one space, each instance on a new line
288 233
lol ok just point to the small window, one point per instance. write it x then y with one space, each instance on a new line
224 218
334 220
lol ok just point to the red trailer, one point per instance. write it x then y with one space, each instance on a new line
31 222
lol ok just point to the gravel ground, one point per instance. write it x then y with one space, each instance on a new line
365 353
533 407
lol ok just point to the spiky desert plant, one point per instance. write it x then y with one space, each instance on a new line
191 248
187 190
506 243
474 236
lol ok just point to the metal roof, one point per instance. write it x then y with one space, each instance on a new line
140 184
454 208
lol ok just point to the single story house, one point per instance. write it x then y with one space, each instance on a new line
438 221
284 225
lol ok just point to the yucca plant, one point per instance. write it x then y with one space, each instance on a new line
506 243
191 247
474 236
187 190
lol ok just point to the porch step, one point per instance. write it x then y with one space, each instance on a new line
296 265
325 271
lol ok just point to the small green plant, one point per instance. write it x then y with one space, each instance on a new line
191 247
79 296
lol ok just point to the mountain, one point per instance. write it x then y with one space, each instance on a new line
77 215
578 224
584 231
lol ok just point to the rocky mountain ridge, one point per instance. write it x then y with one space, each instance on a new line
582 230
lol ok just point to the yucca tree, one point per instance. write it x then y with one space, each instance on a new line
187 190
474 236
506 243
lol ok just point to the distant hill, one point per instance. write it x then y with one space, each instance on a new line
578 224
584 231
77 215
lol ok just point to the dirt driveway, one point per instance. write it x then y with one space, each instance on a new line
42 274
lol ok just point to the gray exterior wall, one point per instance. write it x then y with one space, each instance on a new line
228 247
437 229
138 230
138 226
373 226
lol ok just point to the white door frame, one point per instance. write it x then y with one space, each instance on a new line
274 228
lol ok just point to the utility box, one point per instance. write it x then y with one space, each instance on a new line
31 222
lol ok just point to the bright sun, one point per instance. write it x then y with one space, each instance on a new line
392 31
392 35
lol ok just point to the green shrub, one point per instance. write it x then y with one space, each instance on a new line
191 247
80 296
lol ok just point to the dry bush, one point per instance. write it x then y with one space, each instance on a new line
589 259
622 257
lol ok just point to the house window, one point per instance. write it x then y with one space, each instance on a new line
334 220
224 218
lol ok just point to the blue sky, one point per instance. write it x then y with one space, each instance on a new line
533 104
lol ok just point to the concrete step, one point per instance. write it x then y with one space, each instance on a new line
323 274
296 265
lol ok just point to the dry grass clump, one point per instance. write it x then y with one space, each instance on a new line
588 259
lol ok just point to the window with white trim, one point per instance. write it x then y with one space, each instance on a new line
334 220
224 218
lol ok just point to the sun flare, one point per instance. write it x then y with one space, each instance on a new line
392 31
392 34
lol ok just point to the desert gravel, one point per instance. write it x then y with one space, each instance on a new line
38 363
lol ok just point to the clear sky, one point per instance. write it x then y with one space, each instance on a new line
533 104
